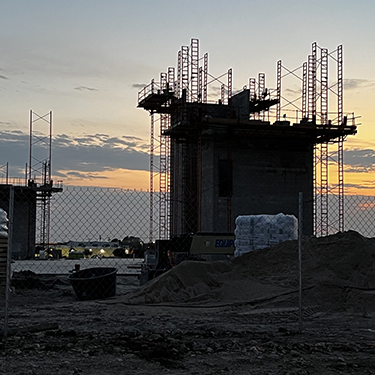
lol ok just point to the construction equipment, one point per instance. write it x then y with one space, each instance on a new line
166 254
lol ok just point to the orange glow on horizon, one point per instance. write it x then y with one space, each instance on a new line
354 183
119 178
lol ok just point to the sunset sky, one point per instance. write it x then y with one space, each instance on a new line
85 61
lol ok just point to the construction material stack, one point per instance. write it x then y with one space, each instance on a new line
260 231
3 249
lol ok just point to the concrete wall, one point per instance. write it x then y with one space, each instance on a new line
268 175
24 220
183 188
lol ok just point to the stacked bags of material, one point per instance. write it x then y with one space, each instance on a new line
3 248
3 224
259 231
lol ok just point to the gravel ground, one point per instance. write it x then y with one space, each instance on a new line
202 326
112 337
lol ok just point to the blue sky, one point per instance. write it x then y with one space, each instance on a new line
85 60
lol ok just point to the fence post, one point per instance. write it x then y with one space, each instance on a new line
300 230
9 256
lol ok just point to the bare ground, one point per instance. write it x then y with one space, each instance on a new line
235 318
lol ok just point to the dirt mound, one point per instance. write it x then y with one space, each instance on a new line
338 271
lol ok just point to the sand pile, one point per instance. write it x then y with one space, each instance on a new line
338 271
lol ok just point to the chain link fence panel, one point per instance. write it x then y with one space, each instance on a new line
97 236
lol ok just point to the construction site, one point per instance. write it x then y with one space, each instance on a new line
301 306
248 151
32 193
217 152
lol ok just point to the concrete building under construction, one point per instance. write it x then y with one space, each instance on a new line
29 197
244 153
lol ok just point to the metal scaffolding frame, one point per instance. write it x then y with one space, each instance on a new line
194 70
39 171
190 82
192 78
261 92
313 105
152 130
163 165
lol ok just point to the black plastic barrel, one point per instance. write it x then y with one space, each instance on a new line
94 283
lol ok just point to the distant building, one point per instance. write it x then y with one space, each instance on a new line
93 244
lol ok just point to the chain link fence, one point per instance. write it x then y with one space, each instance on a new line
99 234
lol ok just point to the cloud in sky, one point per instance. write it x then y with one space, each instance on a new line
293 91
85 156
78 175
363 186
83 88
359 160
355 83
138 85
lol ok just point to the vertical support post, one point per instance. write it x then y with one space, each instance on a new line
50 148
324 86
200 85
163 168
304 90
316 190
163 209
324 188
261 84
312 88
313 78
229 197
340 143
151 174
300 231
324 146
199 183
340 96
185 71
9 256
49 181
261 89
163 81
278 106
194 69
179 74
340 161
171 78
30 143
230 83
222 93
252 92
205 77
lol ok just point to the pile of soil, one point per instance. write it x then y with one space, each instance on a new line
338 272
234 317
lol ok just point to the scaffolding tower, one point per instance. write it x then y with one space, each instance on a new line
317 94
309 109
39 172
191 80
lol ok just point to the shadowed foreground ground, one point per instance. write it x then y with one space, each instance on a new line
237 317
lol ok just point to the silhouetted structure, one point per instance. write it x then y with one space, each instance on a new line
236 156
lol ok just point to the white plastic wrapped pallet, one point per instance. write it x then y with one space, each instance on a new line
259 231
3 249
3 224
